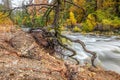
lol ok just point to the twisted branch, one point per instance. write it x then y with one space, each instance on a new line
84 48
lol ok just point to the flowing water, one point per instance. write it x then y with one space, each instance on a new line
107 49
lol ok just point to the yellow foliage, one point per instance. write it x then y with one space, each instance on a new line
31 17
62 28
114 23
4 20
80 2
106 21
65 41
77 10
91 22
51 17
72 20
76 29
108 3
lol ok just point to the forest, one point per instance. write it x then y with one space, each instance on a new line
60 39
80 15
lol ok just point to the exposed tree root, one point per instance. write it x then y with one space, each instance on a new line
52 39
83 46
70 49
56 42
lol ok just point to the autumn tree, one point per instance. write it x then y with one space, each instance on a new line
53 32
79 13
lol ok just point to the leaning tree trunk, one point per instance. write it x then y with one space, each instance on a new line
56 17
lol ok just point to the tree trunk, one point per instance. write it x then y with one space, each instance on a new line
117 11
56 17
7 4
98 4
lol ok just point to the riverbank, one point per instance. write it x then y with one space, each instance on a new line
21 58
98 33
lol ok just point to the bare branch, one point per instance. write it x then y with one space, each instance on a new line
28 6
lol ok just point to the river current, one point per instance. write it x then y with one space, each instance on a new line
107 49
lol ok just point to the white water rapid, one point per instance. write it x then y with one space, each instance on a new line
107 49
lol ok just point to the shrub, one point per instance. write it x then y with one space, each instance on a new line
39 22
116 22
28 20
90 23
4 19
76 29
71 20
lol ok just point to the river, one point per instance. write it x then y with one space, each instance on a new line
107 49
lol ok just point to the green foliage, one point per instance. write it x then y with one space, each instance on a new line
27 21
39 22
116 22
97 12
100 15
107 19
89 7
18 20
85 27
22 18
1 6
